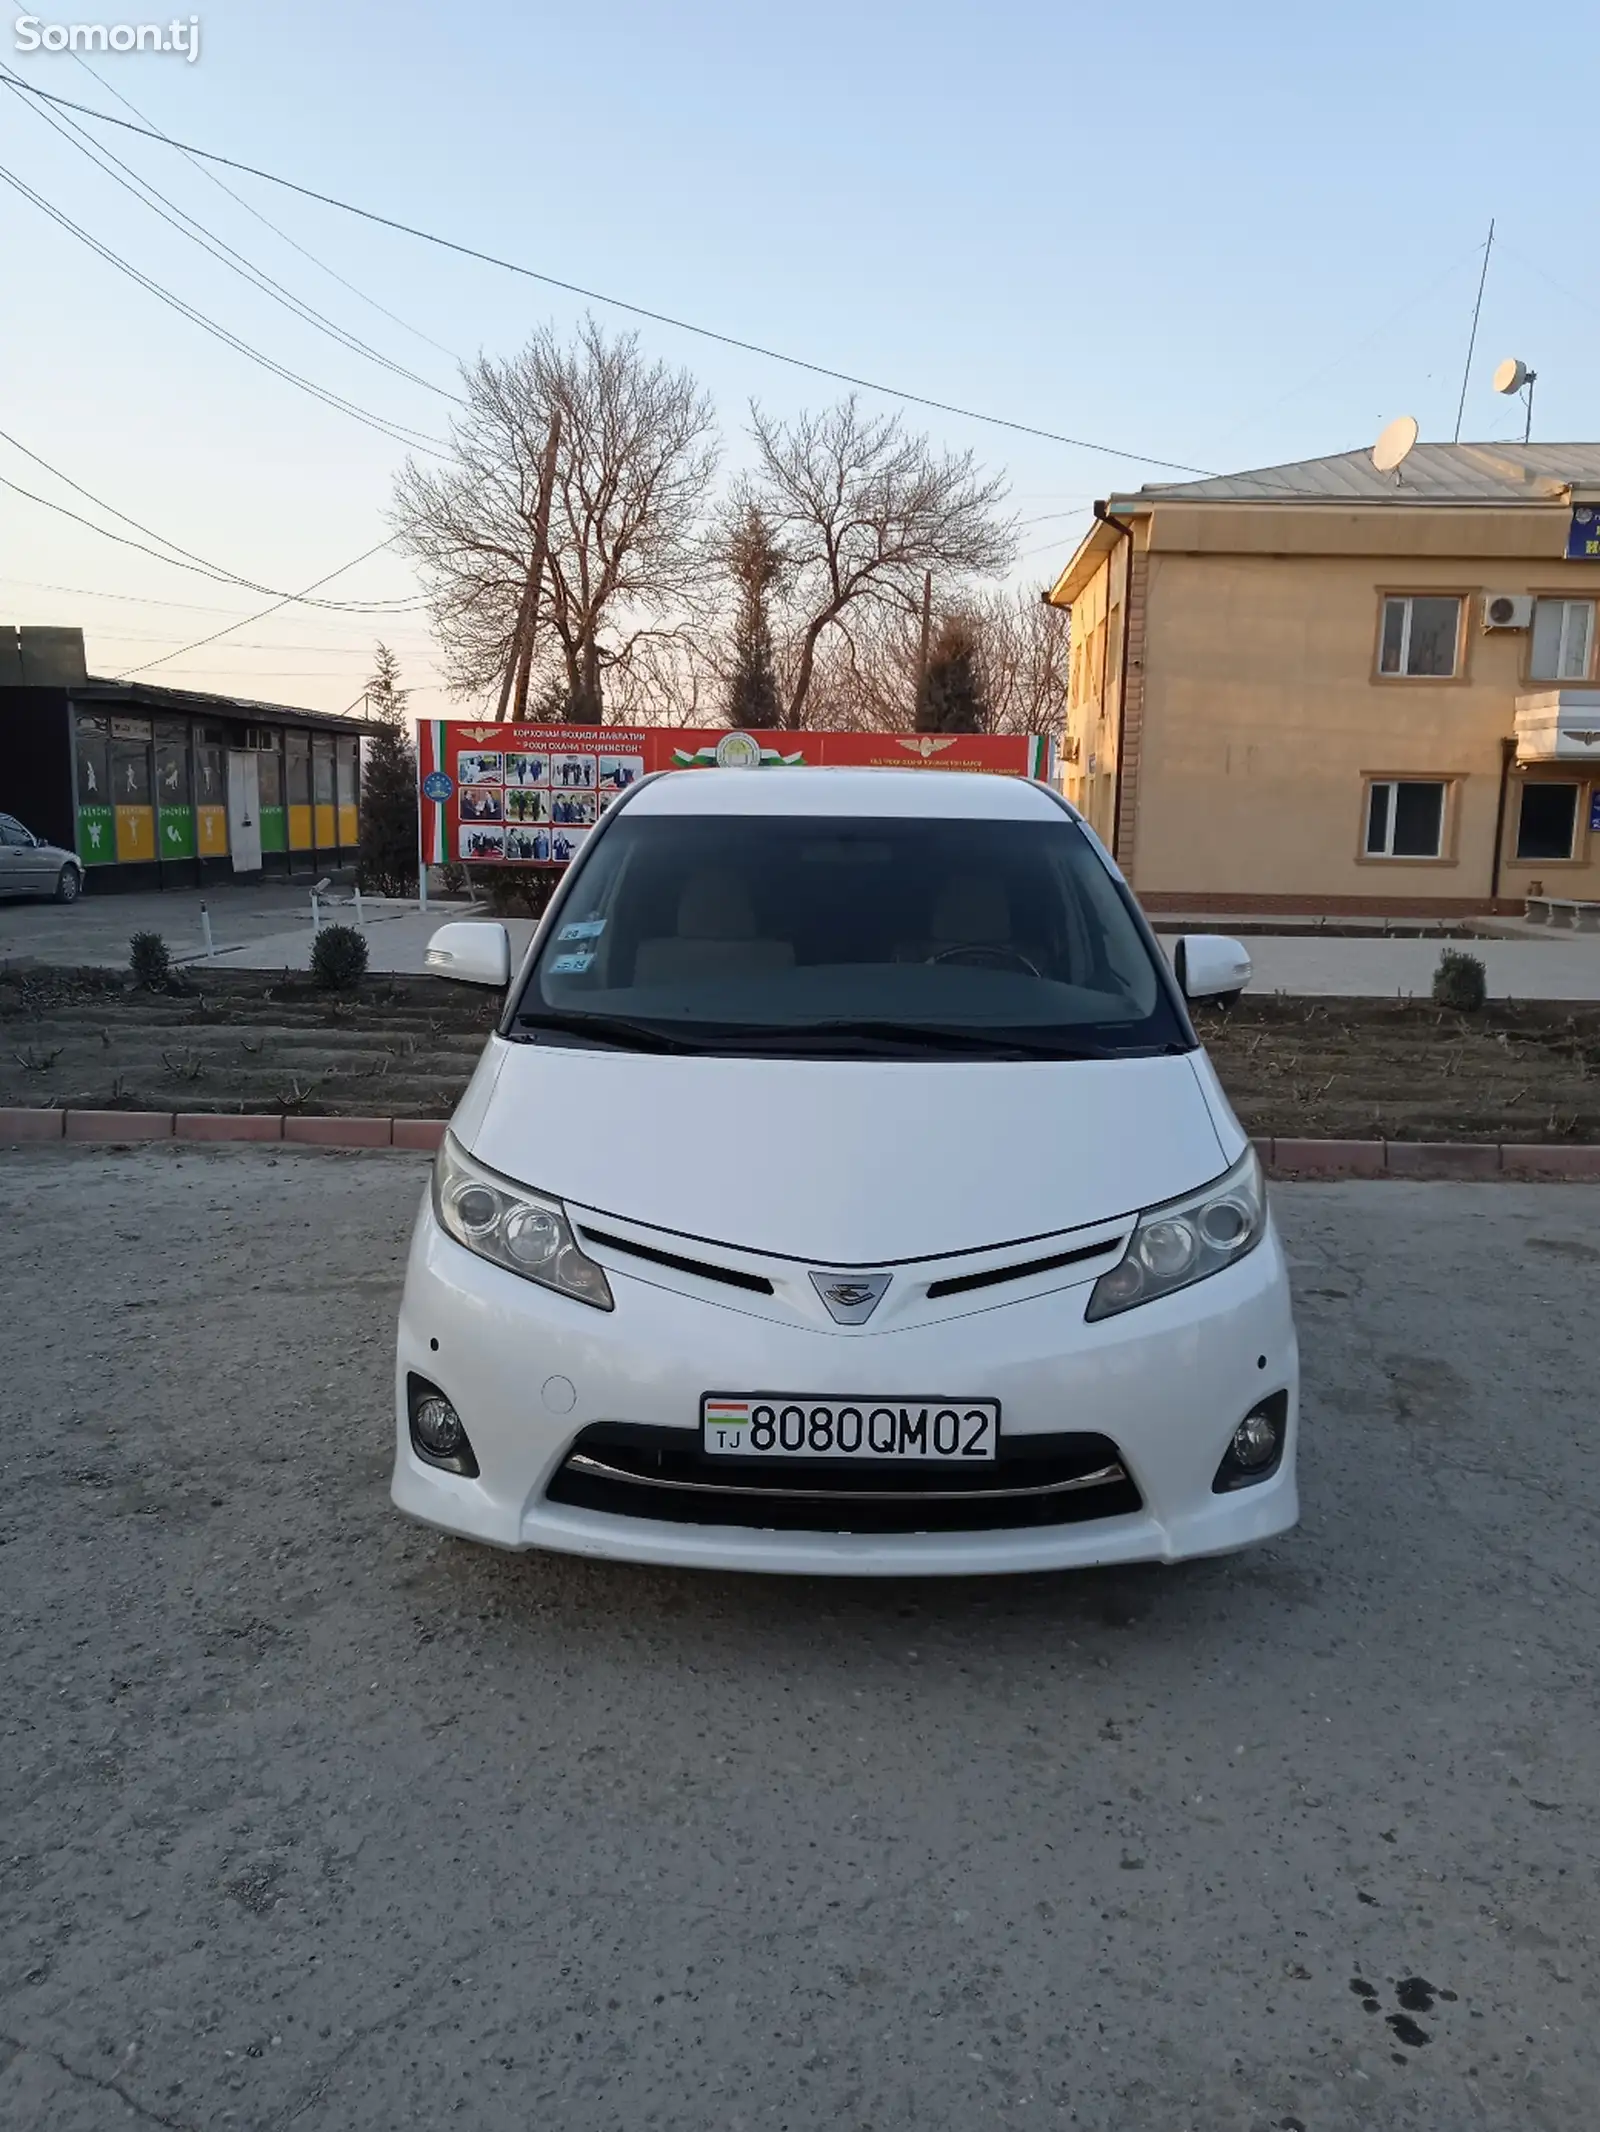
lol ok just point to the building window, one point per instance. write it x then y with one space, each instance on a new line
94 761
172 764
130 773
1421 636
1563 639
1547 821
1405 819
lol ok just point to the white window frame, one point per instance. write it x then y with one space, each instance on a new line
1391 785
1570 608
1406 601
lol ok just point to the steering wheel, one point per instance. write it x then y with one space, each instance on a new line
979 956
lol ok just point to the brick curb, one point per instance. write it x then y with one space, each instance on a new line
1480 1159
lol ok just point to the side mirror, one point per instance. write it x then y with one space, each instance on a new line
474 950
1211 966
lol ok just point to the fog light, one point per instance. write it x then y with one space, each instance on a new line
1255 1449
438 1427
1255 1441
438 1434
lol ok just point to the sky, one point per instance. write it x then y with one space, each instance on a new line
1226 237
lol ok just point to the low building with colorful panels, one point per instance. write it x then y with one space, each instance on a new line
165 787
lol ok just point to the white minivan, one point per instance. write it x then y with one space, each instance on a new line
844 1189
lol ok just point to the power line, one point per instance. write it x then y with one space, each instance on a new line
617 303
397 433
218 569
140 599
218 248
129 671
378 607
266 222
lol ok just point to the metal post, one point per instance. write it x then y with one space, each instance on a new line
316 914
205 927
361 916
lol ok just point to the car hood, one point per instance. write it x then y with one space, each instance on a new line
844 1162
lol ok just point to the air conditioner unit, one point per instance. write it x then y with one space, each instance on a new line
1508 610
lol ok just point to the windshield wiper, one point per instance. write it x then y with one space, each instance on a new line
924 1036
607 1029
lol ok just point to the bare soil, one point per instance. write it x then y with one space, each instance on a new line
1366 1069
243 1040
403 1046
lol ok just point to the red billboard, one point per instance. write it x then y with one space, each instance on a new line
528 795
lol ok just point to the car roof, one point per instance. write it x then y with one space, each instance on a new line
942 795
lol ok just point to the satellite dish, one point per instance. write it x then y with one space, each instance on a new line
1511 376
1395 442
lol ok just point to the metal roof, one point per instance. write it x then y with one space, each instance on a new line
200 703
1431 474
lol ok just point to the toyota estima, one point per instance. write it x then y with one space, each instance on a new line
844 1189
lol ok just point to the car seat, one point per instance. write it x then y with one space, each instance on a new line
716 937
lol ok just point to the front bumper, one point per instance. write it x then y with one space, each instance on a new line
527 1370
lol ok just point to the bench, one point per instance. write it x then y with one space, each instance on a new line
1563 911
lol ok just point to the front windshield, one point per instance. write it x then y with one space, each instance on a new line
848 937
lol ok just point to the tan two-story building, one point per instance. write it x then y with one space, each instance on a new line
1319 687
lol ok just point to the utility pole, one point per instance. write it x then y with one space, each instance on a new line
519 666
927 627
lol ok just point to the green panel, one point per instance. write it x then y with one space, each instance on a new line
97 836
274 831
175 832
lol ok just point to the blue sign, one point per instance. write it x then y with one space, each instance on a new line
438 785
1583 535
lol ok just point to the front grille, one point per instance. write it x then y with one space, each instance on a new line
629 1470
730 1276
964 1283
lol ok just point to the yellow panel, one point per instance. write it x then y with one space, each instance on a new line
327 829
349 828
136 833
213 831
299 828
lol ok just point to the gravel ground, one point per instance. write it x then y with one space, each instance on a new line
311 1818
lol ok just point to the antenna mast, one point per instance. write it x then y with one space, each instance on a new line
1472 339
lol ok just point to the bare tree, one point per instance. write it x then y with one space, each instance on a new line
860 510
626 562
1022 660
866 669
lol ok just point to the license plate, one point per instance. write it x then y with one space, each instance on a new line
796 1425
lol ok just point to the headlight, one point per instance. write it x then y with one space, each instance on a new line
522 1231
1186 1240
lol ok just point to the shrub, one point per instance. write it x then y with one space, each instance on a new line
452 878
1459 982
339 958
150 960
514 891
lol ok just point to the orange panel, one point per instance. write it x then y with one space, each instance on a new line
327 828
213 831
349 828
136 833
299 828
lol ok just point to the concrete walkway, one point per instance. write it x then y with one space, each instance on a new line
270 929
1555 966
